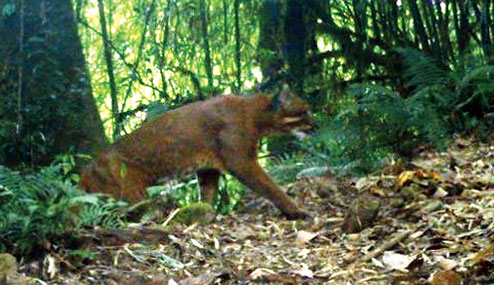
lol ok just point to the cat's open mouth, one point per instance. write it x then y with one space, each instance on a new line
301 126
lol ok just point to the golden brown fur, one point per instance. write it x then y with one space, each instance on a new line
209 137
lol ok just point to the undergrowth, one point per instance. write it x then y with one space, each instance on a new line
37 209
187 191
372 124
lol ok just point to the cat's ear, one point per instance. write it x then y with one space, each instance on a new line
280 98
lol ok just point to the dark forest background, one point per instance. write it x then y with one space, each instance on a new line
385 75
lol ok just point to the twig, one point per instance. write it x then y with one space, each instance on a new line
387 245
122 57
170 217
136 206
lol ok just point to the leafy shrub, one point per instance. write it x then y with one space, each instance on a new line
307 162
463 92
373 123
40 208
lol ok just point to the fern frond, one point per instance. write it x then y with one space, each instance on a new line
476 88
43 206
421 70
373 124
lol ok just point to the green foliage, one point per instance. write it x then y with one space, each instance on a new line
159 63
474 90
34 208
186 191
162 57
441 89
372 124
230 191
462 95
106 213
422 71
42 207
288 167
79 256
183 193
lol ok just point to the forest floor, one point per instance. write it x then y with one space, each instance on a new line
429 221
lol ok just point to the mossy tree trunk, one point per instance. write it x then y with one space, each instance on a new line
46 107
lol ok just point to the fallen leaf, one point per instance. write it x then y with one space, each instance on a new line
260 272
304 271
216 243
243 232
52 267
304 252
378 191
361 183
478 164
483 254
404 177
436 176
303 237
446 264
196 243
416 234
205 278
485 179
440 193
396 261
377 263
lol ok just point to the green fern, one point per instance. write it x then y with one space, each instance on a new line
475 90
290 166
284 168
373 124
423 71
465 91
43 207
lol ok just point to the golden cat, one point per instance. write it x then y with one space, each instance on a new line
209 137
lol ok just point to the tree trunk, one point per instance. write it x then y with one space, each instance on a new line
431 24
269 39
117 122
462 34
483 19
237 46
163 48
46 70
444 30
295 33
418 25
225 22
360 20
205 38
